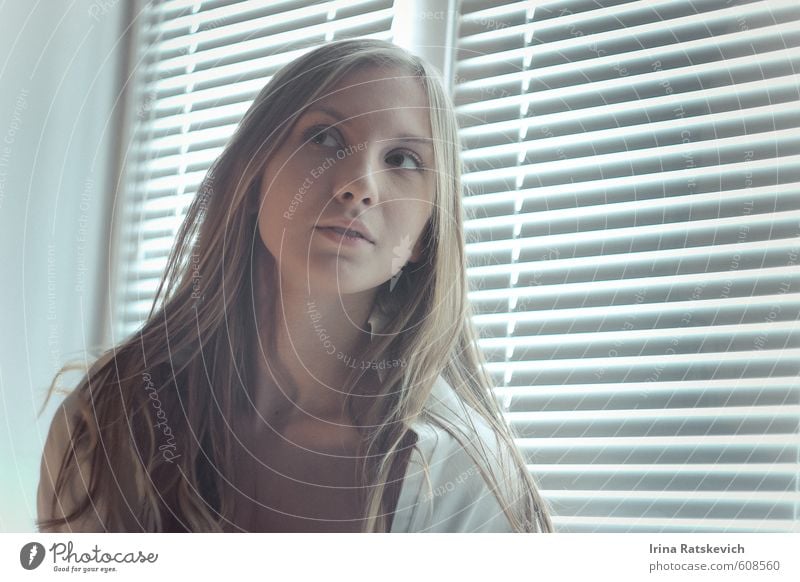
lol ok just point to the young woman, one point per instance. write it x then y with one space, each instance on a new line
309 363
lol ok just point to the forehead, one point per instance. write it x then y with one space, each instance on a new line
391 98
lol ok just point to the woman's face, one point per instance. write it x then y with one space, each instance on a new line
364 151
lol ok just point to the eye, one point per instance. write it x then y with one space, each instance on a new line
409 154
318 135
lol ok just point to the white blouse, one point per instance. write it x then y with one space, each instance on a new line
454 496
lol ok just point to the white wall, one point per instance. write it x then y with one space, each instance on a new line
60 66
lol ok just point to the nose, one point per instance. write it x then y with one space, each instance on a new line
356 183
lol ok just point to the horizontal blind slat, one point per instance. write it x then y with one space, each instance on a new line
632 193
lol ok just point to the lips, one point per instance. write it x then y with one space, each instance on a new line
346 231
346 225
336 236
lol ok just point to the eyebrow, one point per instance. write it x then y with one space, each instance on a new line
345 120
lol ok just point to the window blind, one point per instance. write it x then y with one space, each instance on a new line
631 177
199 65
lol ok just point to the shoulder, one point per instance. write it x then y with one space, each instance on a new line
464 456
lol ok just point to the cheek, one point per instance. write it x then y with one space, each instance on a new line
272 222
405 227
266 229
281 201
411 215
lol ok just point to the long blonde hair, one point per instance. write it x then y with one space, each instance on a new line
191 353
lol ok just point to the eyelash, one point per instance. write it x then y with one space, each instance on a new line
312 133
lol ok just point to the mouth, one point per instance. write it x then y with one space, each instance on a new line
343 236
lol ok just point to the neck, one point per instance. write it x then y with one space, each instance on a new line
315 335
